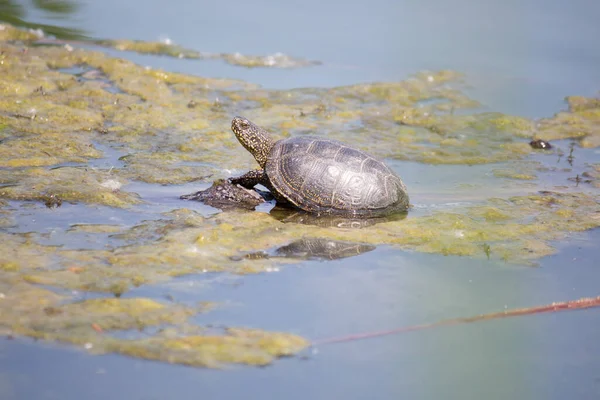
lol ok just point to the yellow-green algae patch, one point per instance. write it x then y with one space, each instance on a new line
143 47
10 33
49 149
277 60
6 219
40 313
21 253
245 346
592 175
70 184
95 228
39 316
581 121
116 314
163 168
524 171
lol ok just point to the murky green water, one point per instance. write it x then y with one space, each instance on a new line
98 253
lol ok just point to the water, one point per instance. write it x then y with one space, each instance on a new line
520 58
549 356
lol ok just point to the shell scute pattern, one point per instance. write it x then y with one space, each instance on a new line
324 175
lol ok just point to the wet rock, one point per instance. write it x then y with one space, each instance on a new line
52 201
225 195
540 144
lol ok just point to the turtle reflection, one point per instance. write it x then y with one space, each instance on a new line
286 215
314 249
228 196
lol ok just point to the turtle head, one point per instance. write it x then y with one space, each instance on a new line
254 139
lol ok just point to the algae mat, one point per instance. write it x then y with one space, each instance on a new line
80 129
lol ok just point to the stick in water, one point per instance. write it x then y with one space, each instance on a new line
580 304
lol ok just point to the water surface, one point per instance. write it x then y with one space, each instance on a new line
519 58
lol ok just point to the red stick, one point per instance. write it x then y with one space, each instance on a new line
583 303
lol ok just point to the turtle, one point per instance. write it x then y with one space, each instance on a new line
320 175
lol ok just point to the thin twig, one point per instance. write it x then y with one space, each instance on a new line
583 303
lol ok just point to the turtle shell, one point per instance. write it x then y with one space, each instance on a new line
326 176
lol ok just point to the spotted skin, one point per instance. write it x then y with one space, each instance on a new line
321 175
254 139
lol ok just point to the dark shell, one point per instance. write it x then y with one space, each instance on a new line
323 175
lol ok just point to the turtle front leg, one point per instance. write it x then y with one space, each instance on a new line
251 179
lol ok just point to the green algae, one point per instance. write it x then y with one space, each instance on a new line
523 171
581 122
163 168
32 311
119 314
158 48
592 176
50 149
95 228
251 347
277 60
70 184
518 126
6 219
489 213
11 33
40 313
19 253
85 318
513 175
